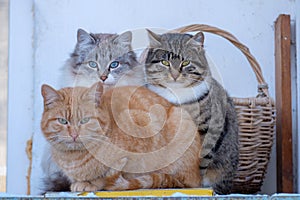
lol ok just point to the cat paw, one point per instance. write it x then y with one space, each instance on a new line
83 186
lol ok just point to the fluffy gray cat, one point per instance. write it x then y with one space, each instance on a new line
176 68
102 57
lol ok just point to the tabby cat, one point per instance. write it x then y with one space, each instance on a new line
176 68
102 57
125 138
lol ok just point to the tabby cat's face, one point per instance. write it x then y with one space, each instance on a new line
176 60
69 119
102 57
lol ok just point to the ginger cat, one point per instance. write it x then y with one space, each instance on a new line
126 138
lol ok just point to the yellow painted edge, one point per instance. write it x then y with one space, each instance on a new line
155 193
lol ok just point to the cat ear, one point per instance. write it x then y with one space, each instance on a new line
154 39
95 92
84 37
197 39
124 39
50 95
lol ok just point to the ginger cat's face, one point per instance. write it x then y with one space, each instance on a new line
69 119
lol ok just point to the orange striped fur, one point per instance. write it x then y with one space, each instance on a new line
126 138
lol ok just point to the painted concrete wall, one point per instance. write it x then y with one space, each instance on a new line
20 94
43 33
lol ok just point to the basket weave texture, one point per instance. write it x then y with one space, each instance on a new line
256 118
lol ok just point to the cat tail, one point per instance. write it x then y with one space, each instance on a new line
58 182
154 180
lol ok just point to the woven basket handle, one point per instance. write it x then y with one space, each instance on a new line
262 85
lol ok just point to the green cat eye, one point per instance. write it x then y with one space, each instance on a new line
93 64
114 64
166 63
85 120
185 63
62 121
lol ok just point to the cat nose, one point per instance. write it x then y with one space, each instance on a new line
175 75
74 135
103 77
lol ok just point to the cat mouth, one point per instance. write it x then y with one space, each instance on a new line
73 142
74 145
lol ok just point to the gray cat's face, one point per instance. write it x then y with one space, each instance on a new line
102 57
176 60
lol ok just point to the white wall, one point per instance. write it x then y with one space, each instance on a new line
20 94
43 33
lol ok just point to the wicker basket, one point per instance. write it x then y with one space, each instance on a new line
256 116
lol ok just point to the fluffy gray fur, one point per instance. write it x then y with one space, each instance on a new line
102 50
